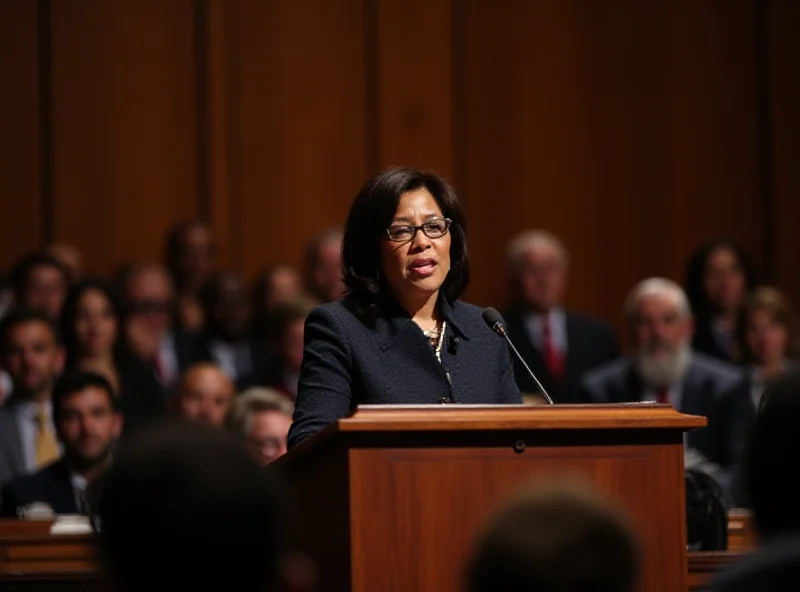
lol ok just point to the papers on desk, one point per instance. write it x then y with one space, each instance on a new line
71 524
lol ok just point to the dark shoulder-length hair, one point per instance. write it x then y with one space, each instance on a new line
370 215
69 315
702 306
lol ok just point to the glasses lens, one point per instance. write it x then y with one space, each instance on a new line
435 228
398 233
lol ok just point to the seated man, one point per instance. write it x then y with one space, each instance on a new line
556 539
262 417
204 395
88 424
663 368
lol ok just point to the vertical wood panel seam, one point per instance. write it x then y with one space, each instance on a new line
233 148
457 101
45 108
764 127
201 15
372 86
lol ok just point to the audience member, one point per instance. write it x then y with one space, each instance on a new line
767 339
718 278
40 283
275 286
559 345
204 395
185 507
150 325
228 338
285 372
33 356
262 417
69 256
191 258
323 266
773 486
663 368
92 333
88 422
556 539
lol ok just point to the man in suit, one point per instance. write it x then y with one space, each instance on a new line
559 345
32 355
662 368
228 339
150 304
88 422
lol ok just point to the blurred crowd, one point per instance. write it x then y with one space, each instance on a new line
188 339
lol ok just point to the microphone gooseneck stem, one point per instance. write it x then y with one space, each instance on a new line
547 398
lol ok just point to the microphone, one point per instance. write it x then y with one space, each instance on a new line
492 318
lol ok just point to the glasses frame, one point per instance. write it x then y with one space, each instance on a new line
421 227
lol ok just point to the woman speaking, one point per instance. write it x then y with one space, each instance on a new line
400 335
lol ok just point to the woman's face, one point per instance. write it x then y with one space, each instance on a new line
95 324
724 279
766 338
417 267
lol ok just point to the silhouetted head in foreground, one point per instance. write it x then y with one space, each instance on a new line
555 539
771 477
185 507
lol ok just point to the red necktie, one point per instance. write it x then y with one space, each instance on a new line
552 357
159 368
662 396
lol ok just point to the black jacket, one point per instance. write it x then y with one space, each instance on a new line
590 344
50 485
347 362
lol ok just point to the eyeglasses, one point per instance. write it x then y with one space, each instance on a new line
436 228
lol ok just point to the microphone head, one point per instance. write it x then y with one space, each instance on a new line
495 321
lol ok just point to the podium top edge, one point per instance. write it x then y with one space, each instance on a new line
500 417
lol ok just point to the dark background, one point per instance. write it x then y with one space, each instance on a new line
632 129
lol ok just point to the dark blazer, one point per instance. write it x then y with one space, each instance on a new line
346 362
12 455
705 391
262 357
590 343
705 342
50 485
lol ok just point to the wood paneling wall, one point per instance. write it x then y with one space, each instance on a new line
632 130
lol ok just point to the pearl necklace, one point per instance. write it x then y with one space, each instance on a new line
436 338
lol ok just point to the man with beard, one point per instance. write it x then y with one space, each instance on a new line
662 368
88 422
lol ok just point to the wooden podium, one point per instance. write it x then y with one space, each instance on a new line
391 497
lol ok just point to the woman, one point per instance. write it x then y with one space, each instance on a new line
718 279
400 335
767 339
90 327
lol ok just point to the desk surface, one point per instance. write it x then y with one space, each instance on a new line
28 552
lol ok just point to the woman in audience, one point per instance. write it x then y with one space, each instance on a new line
718 279
400 335
767 339
90 328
